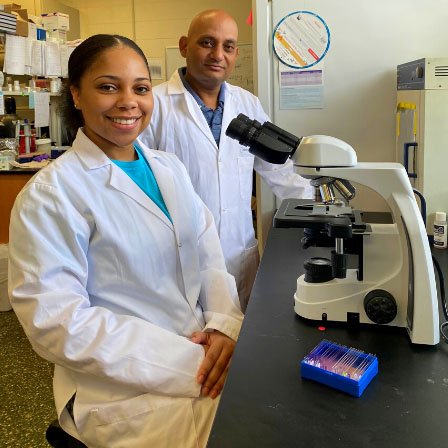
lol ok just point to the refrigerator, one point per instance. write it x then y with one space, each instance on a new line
358 80
422 120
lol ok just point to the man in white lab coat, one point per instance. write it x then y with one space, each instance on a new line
191 114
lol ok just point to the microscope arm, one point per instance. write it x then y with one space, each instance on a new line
390 181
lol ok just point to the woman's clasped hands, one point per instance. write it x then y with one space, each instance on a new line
218 352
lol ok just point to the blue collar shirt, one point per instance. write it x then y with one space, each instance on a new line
212 117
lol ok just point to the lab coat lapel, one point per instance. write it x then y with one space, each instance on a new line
198 117
230 112
165 181
192 106
123 183
93 158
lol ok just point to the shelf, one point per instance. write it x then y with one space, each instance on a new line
23 93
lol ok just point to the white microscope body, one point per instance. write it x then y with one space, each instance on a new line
394 283
396 257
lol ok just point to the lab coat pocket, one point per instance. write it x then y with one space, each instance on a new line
145 421
245 169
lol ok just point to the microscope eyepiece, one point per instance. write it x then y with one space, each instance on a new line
243 129
266 141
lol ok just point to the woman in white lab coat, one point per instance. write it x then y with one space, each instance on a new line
125 291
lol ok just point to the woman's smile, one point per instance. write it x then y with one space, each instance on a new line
125 123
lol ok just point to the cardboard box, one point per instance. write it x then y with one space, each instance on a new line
59 35
22 22
56 21
34 23
35 19
10 7
32 30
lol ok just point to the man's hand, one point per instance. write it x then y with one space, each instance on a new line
218 353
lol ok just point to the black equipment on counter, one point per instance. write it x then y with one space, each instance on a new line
8 123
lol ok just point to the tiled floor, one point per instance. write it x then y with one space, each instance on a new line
26 398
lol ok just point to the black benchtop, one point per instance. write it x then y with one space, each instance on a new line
265 402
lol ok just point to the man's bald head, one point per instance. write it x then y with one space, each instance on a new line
210 16
210 49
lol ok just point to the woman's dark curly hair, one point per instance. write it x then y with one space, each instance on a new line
81 60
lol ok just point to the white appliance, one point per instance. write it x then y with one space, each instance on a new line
422 120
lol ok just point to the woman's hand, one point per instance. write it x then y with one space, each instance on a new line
218 353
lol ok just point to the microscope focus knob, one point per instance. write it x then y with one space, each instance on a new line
318 270
380 306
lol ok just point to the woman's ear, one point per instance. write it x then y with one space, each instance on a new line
75 95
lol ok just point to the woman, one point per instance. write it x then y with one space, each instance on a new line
116 271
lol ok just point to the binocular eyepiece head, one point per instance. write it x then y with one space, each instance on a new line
266 141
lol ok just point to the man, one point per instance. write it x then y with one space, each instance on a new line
191 114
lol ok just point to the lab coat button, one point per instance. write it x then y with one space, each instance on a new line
179 244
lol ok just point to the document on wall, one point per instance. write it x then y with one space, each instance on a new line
2 104
301 88
42 109
14 55
64 60
37 58
52 59
28 55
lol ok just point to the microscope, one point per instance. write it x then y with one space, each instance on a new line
392 281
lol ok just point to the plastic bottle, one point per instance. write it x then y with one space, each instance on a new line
22 145
27 136
33 141
440 231
32 84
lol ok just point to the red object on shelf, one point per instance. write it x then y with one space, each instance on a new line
33 141
43 83
22 145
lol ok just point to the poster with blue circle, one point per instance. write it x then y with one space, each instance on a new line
301 39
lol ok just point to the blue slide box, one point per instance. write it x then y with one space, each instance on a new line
351 386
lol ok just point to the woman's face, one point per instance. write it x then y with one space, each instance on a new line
116 101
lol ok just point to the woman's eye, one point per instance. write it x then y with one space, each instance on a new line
107 88
143 89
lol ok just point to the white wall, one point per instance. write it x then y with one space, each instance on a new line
368 40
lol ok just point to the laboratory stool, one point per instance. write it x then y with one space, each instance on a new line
58 438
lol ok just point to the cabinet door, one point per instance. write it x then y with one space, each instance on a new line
10 186
409 111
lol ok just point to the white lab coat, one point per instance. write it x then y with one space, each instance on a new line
110 291
222 176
